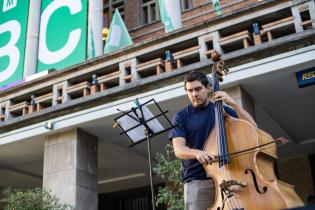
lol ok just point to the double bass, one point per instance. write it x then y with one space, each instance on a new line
243 167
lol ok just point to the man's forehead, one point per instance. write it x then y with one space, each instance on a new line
194 84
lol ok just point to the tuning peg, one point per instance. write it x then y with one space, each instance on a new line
215 56
209 80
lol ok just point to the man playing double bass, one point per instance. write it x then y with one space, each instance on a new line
195 122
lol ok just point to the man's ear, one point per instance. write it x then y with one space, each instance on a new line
209 91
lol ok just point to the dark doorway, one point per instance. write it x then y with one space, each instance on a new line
131 199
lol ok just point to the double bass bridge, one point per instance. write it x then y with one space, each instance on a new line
228 191
227 186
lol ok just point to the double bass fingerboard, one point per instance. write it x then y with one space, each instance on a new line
223 152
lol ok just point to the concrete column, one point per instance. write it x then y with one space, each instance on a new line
3 111
7 112
216 44
56 88
70 168
297 18
32 38
242 98
297 5
60 94
123 74
311 7
134 72
128 68
203 48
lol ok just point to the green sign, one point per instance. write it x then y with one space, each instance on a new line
13 28
62 39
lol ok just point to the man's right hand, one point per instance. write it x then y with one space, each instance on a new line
186 153
203 157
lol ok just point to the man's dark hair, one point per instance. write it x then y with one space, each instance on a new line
196 76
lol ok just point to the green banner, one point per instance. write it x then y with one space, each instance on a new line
13 29
62 39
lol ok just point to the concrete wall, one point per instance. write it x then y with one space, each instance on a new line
297 171
70 168
242 98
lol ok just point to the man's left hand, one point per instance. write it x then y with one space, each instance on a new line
223 96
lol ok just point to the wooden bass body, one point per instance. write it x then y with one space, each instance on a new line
248 181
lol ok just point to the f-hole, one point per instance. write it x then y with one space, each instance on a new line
255 182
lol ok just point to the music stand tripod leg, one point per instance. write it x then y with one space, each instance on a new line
147 133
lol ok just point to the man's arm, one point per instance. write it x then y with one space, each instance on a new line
183 152
227 99
242 114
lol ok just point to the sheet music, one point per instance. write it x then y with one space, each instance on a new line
138 133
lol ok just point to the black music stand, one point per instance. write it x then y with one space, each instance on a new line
140 124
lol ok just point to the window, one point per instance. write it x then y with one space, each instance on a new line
186 4
109 9
150 11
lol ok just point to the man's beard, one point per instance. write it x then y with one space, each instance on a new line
200 104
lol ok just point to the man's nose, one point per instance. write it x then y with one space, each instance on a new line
194 93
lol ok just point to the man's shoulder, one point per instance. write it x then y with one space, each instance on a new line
184 110
230 111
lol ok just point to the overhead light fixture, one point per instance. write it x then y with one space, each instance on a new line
121 178
49 125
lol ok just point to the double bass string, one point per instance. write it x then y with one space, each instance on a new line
216 87
221 140
220 126
232 201
219 137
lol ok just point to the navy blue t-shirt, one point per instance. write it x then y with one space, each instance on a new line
195 125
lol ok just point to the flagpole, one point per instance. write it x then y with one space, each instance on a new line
32 38
95 26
